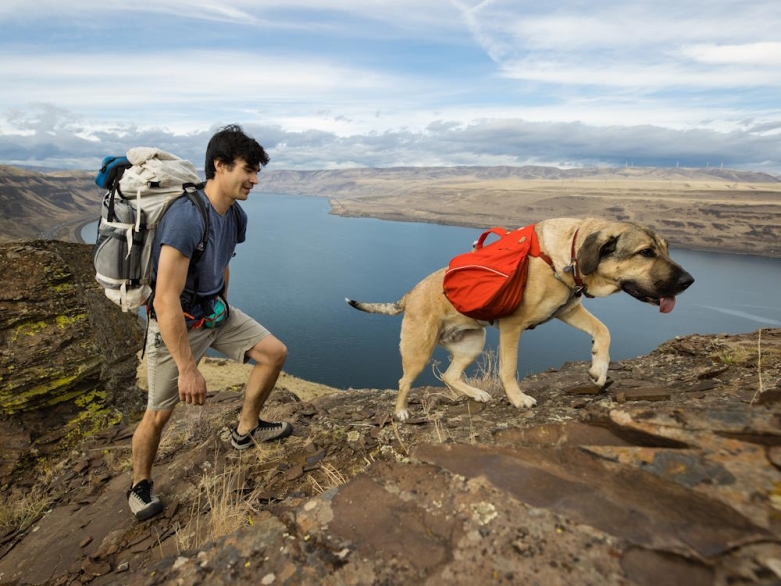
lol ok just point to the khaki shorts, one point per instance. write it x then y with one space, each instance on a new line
234 337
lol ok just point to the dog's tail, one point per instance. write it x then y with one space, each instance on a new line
383 308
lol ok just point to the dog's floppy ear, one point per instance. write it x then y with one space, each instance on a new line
596 246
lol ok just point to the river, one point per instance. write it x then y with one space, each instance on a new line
299 263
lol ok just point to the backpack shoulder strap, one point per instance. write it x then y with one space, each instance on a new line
236 220
191 191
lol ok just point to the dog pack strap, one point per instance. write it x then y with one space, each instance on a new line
535 249
498 230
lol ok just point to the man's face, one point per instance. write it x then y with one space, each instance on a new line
237 181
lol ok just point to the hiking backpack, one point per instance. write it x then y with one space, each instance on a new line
139 189
488 283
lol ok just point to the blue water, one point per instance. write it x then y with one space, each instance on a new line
299 263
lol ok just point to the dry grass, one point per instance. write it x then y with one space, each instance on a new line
741 355
760 388
224 501
20 508
442 434
330 478
398 437
448 392
220 506
731 354
487 375
486 378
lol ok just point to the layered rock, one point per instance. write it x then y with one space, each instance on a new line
67 354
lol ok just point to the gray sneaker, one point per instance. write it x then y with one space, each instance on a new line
143 501
264 432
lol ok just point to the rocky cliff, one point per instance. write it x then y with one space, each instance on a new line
67 354
671 475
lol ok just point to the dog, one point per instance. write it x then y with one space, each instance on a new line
588 256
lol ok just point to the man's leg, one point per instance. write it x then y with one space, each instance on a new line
269 355
242 338
163 397
146 440
141 496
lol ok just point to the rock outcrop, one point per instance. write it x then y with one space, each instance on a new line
671 475
67 354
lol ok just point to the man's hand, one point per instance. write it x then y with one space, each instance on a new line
192 387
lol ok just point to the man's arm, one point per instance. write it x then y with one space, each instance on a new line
171 279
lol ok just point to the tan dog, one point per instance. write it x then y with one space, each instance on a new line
590 256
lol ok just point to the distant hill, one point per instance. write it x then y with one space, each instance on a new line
697 208
31 202
395 180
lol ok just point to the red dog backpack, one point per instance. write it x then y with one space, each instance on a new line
488 283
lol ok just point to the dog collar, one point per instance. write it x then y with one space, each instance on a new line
572 267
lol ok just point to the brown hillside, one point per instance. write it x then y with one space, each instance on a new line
705 209
32 202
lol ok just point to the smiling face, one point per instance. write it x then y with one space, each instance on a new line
237 180
629 257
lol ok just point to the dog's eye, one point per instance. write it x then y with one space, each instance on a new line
647 252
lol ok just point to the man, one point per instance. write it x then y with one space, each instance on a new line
190 313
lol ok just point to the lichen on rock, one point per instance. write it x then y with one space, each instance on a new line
67 354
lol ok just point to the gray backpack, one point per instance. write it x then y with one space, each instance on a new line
138 194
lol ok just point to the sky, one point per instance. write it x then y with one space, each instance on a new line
374 83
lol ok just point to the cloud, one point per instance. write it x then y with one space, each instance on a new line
355 83
112 79
642 46
763 54
443 142
338 15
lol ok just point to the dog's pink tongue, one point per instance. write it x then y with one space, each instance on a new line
666 304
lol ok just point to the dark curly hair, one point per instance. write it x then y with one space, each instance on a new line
230 143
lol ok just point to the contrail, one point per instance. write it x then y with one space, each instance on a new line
479 6
745 315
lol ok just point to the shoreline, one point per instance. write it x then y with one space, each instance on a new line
71 231
400 217
75 228
78 228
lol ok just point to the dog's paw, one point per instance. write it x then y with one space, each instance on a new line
598 376
522 401
482 396
402 414
528 402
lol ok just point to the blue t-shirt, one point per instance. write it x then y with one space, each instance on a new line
182 228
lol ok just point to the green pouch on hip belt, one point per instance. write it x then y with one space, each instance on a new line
218 315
